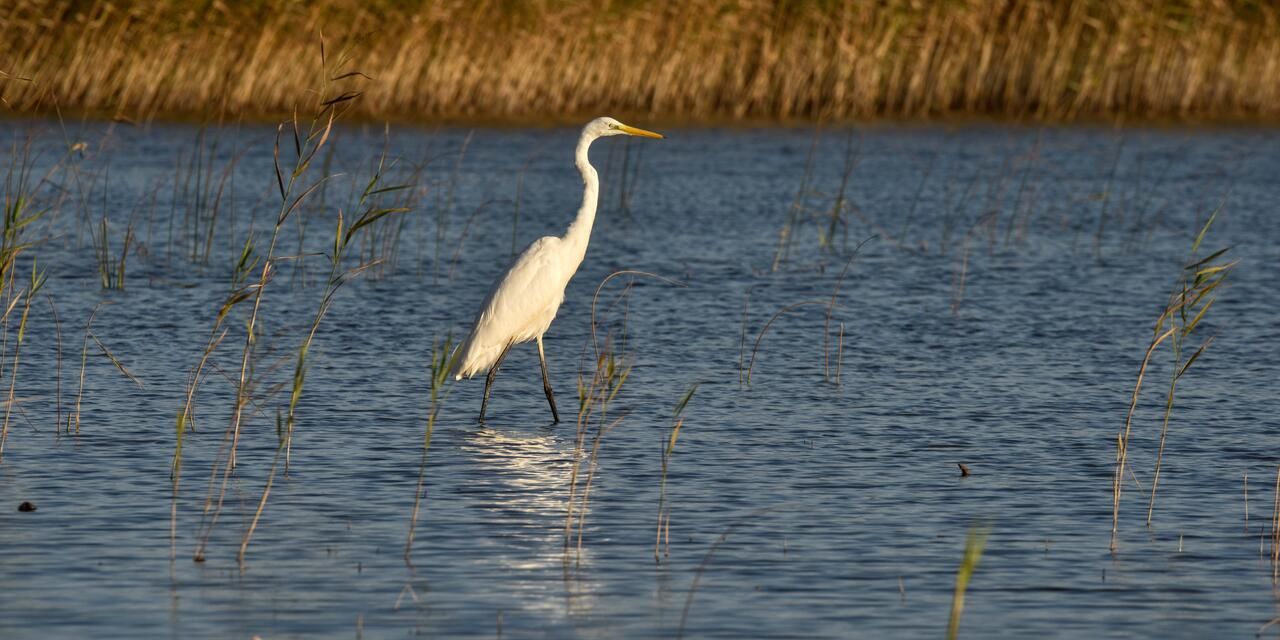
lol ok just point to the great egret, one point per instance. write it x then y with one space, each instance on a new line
525 299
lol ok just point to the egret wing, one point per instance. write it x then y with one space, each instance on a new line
520 306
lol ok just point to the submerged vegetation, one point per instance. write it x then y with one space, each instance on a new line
725 59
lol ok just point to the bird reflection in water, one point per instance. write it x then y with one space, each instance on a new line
521 478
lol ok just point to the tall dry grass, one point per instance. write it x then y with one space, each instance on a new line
721 59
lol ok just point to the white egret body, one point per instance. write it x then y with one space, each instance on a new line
526 298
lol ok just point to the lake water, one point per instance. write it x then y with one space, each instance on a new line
799 507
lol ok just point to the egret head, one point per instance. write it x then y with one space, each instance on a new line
607 126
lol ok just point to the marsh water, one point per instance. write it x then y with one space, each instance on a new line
996 317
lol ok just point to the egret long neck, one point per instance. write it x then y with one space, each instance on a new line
579 232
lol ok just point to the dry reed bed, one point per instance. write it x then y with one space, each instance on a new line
722 59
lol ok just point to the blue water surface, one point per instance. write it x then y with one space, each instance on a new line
996 317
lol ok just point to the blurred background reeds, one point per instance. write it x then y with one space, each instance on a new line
719 60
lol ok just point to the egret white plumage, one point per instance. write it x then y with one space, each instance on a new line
526 298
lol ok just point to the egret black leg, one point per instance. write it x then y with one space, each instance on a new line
488 380
546 382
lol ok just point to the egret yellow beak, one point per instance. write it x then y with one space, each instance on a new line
633 131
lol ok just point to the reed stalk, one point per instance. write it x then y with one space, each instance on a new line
442 361
742 338
1275 531
292 190
852 157
609 373
593 463
20 191
915 200
28 292
765 329
370 214
706 562
973 547
57 394
1106 199
787 232
73 419
664 508
591 395
839 353
1193 296
831 306
1200 279
111 271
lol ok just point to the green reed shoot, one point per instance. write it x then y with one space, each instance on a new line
1020 207
973 547
1188 306
826 326
380 244
787 233
611 370
987 221
116 361
1106 198
915 201
198 195
839 353
610 374
27 295
1275 532
370 213
958 279
342 238
662 538
293 186
57 394
742 338
20 212
443 355
1193 296
110 270
593 463
828 221
836 221
73 418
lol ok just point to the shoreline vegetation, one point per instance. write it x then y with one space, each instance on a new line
721 61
